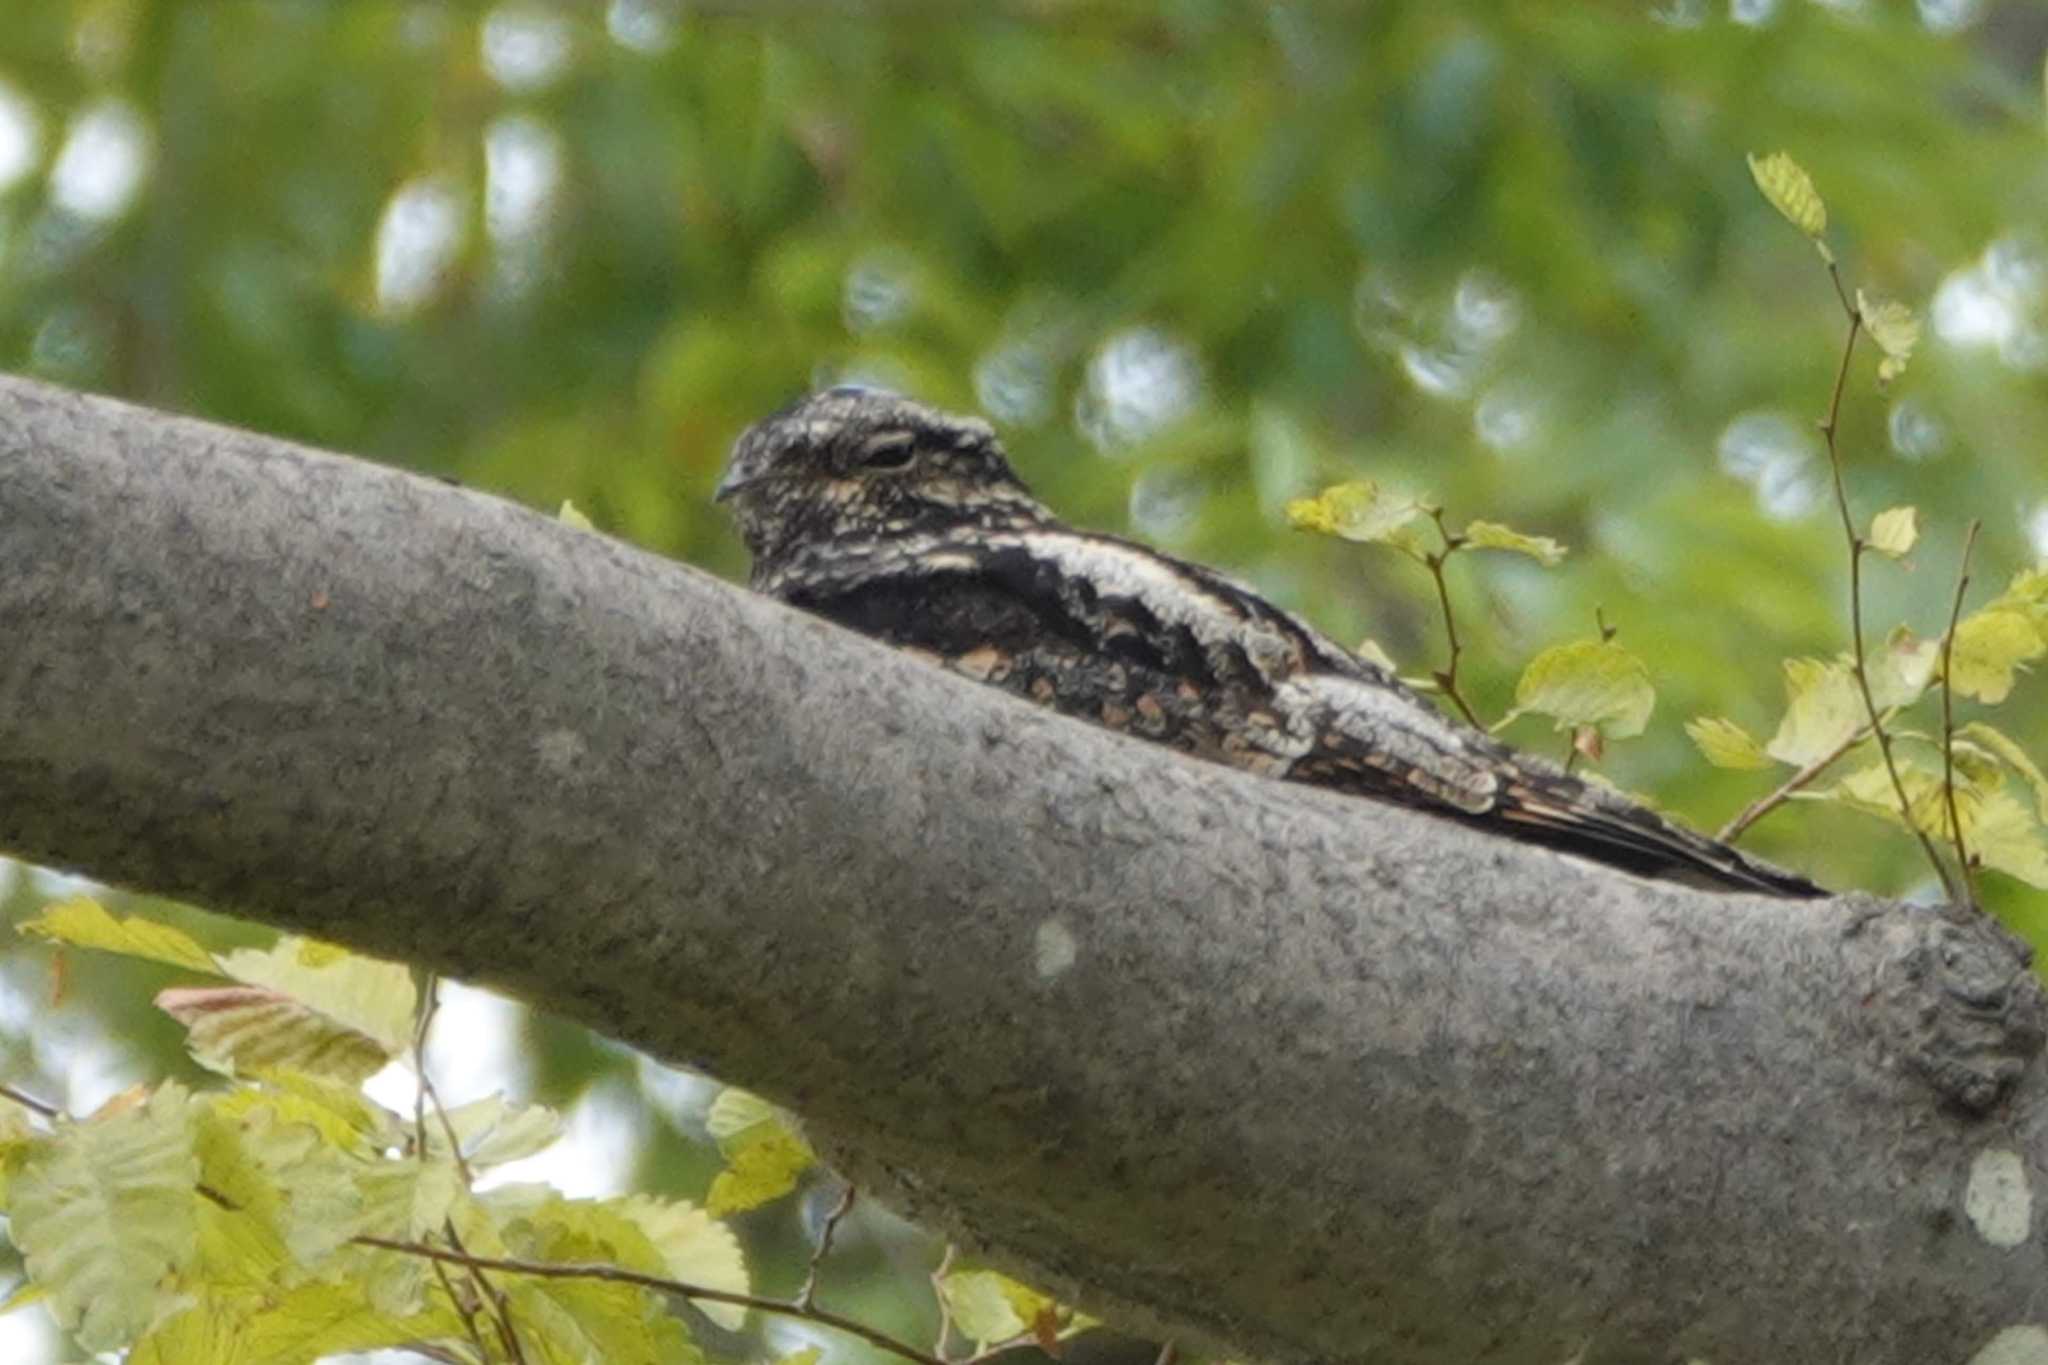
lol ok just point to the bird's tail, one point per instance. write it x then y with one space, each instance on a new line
1572 816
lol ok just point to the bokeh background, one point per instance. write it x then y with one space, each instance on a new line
1193 258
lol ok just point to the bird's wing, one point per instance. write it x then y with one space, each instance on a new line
1359 737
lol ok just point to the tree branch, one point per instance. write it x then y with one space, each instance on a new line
1243 1064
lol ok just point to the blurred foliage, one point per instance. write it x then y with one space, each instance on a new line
1195 258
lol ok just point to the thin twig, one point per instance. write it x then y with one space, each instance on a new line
808 1294
1168 1354
47 1110
619 1275
1448 678
1764 805
1948 720
1828 429
462 1307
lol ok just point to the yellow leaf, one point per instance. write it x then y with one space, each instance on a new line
1895 329
1491 535
1360 511
1990 648
1790 191
1726 744
373 998
1822 710
85 923
571 515
1893 531
1587 682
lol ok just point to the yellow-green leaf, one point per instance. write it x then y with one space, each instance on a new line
1491 535
2016 758
1900 671
104 1213
1360 511
1587 682
1822 710
1895 329
83 922
1790 191
1369 650
694 1248
373 998
765 1153
1894 531
2005 836
1990 648
985 1306
1726 744
233 1028
571 515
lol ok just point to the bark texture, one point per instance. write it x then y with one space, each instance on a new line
1230 1060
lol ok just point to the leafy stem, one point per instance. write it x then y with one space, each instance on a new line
1948 718
1447 678
1857 545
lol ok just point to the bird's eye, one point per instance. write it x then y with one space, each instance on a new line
888 450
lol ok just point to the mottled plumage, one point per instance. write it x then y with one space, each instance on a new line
907 524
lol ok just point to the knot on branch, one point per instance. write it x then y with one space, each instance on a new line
1959 1001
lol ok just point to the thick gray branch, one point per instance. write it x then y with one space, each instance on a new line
1241 1062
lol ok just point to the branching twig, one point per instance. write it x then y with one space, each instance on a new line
619 1275
1447 679
1948 720
1764 805
808 1294
1857 545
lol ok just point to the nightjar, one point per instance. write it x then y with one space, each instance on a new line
907 524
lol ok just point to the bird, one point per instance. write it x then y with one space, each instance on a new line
908 524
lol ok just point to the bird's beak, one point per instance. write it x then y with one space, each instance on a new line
737 476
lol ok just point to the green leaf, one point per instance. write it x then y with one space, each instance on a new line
104 1213
1490 535
570 515
2016 758
1361 511
1726 744
233 1028
83 922
375 999
1990 648
1894 328
1894 531
1587 682
1823 708
1790 191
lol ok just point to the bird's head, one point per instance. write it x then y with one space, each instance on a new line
852 466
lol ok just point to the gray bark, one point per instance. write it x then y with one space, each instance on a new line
1228 1060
